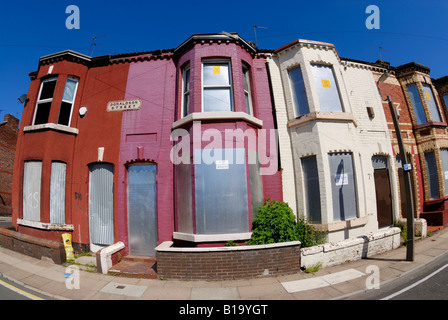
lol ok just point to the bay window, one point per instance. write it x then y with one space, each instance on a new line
247 93
68 99
298 92
185 91
327 88
44 101
216 86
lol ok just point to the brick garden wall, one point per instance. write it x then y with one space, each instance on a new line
227 263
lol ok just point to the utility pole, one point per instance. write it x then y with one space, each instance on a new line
407 176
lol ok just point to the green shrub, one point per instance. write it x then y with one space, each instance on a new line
276 222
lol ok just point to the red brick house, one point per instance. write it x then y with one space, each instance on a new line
9 130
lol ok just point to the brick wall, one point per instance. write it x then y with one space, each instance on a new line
227 263
8 139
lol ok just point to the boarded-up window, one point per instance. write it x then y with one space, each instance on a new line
57 193
312 191
101 204
32 174
416 103
256 182
343 186
429 96
298 92
444 156
327 88
431 171
221 192
184 198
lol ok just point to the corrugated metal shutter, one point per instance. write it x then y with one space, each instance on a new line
57 193
142 209
101 204
32 174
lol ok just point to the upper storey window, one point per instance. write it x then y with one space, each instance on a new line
44 101
327 89
417 104
247 93
298 92
432 103
216 86
185 91
65 112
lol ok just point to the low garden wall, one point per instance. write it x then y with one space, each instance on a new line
227 263
32 246
330 254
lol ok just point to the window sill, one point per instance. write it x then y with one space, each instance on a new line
51 126
45 226
342 225
223 115
430 124
323 116
211 237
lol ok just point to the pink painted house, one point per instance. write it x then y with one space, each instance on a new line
200 154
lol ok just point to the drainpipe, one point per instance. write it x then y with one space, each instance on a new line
274 114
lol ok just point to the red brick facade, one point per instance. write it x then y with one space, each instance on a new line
9 129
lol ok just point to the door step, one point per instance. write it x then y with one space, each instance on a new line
136 267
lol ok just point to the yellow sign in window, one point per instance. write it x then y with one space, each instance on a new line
326 83
216 69
428 96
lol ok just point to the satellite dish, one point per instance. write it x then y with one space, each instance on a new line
23 98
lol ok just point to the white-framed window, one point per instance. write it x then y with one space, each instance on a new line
44 100
298 92
247 92
216 86
68 100
327 88
185 91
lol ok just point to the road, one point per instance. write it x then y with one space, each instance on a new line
430 282
10 290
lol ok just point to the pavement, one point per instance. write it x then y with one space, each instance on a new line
63 282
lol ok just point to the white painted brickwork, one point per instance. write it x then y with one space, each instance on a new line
319 133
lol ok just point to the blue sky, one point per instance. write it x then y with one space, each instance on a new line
410 30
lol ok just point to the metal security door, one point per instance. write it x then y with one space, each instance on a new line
101 204
382 191
142 209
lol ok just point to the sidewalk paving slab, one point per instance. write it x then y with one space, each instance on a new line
327 283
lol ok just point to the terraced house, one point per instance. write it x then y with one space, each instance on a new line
97 156
184 144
